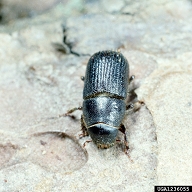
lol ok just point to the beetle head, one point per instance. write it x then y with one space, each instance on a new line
104 136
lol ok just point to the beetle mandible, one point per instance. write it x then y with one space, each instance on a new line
105 91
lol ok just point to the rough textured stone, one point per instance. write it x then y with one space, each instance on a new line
40 151
168 97
154 36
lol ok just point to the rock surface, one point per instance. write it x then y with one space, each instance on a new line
40 151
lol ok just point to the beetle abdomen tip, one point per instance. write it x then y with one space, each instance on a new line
103 135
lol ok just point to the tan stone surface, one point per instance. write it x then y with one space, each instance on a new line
168 96
41 152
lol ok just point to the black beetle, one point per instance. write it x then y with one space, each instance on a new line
105 91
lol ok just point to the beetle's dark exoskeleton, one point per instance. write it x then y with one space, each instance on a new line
105 91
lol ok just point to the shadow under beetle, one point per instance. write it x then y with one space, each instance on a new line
105 92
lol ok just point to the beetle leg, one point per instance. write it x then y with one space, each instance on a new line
70 111
131 91
137 105
131 78
82 78
123 130
88 141
134 106
129 106
83 128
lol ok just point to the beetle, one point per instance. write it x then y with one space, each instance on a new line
105 92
